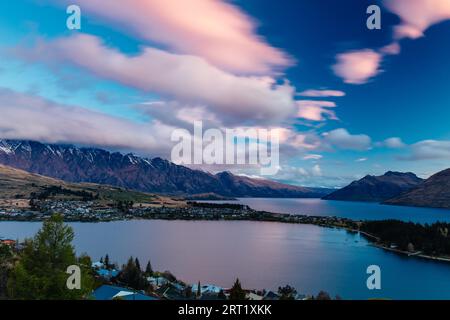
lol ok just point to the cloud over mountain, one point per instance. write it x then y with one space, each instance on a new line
185 78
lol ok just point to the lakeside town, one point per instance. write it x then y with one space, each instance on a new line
91 211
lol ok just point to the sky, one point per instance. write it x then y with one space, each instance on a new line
345 100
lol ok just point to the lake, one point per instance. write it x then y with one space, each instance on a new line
345 209
261 254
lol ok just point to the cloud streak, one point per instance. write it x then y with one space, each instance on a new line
429 150
315 110
321 93
31 117
185 78
215 30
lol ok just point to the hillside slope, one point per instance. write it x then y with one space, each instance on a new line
433 192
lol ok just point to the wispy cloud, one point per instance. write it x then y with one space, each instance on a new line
358 67
342 139
217 31
316 110
180 77
429 150
312 157
393 143
417 15
313 93
32 117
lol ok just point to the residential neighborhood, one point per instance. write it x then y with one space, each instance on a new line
164 286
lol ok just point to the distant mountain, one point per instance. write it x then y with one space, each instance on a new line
73 164
377 188
433 192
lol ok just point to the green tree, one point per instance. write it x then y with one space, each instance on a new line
149 269
6 265
323 296
132 276
287 292
106 261
138 264
40 273
236 292
199 290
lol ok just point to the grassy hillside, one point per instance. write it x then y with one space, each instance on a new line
17 185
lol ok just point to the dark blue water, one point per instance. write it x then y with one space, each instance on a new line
261 254
346 209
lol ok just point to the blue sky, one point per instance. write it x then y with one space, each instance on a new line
132 75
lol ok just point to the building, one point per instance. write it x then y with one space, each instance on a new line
109 292
270 295
207 289
254 296
157 281
97 264
107 274
8 242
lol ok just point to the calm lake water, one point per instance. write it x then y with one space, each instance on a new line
345 209
261 254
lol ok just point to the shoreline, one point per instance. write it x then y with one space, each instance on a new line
85 212
412 254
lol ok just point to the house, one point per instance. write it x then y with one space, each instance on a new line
97 264
109 292
8 242
270 295
171 292
157 281
107 274
210 296
253 296
207 288
299 296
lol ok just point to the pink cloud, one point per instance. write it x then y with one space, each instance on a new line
31 117
214 30
357 67
185 78
391 49
316 110
322 93
418 15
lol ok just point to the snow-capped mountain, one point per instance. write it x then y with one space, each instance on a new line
73 164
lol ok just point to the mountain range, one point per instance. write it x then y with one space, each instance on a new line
73 164
433 192
377 188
